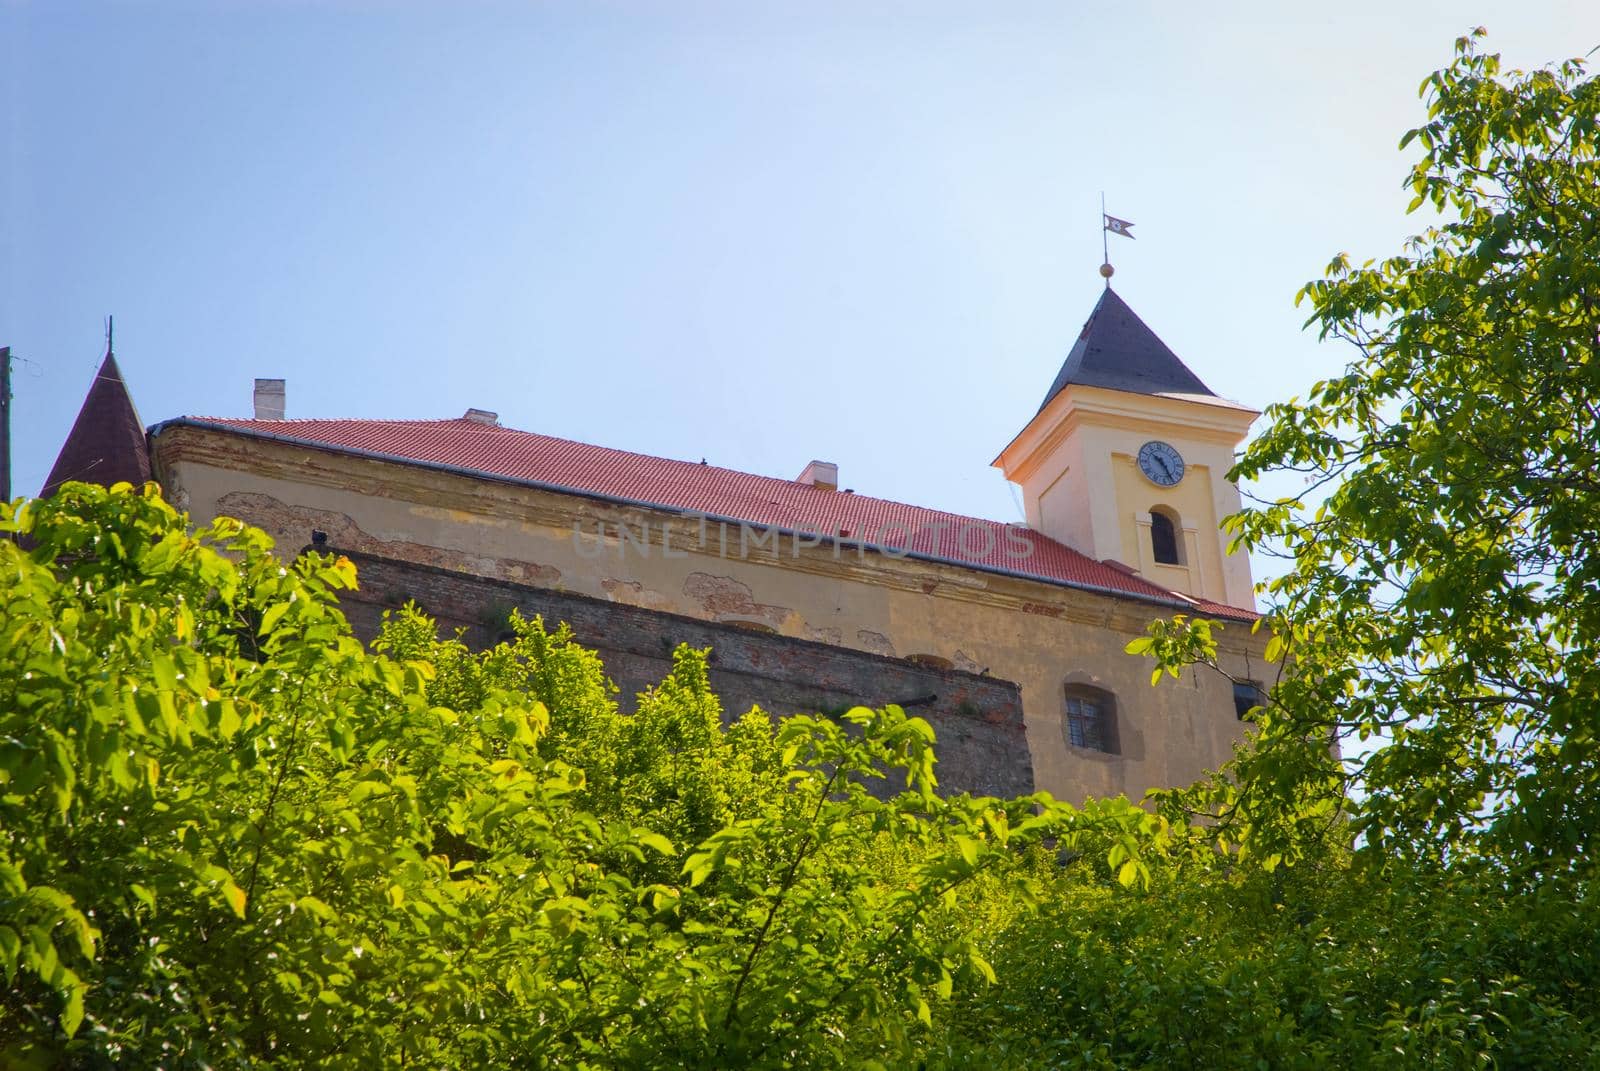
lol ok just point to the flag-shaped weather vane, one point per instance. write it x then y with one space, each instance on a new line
1112 225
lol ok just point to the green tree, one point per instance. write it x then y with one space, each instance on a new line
1443 592
230 835
1319 965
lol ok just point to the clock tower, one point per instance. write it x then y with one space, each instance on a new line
1127 460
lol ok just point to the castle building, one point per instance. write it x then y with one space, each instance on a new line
1008 638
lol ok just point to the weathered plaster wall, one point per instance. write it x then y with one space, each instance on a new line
978 720
1036 634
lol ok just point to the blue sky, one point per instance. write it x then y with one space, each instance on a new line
756 233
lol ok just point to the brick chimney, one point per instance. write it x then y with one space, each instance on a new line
269 399
821 474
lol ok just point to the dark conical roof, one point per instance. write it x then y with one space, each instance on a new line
106 444
1115 350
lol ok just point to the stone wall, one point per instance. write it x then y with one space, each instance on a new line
982 745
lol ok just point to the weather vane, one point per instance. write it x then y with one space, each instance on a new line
1112 225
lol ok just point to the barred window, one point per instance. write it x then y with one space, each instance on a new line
1091 719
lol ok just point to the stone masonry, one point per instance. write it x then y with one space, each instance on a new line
982 746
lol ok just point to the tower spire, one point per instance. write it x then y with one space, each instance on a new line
1118 351
107 442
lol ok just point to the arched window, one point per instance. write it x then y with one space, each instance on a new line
1091 719
1164 537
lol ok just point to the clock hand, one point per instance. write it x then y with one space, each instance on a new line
1166 468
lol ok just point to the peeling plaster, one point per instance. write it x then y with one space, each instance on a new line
633 593
722 597
294 524
876 642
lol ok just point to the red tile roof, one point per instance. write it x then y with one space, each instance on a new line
494 452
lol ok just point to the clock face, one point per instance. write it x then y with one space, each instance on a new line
1160 463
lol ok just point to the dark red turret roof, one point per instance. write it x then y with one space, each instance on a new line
106 444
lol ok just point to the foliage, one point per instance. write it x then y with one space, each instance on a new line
236 838
1441 609
1305 967
232 835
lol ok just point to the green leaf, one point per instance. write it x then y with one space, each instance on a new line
655 841
234 896
161 557
10 949
227 718
72 1010
968 847
271 617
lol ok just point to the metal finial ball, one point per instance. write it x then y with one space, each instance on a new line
1107 270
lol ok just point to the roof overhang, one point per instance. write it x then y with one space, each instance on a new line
1189 416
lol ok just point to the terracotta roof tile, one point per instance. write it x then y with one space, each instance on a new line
496 452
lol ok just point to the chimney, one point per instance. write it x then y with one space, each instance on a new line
269 399
821 474
482 416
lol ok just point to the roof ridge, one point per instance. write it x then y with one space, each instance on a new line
332 420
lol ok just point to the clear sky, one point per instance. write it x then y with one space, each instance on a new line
752 232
